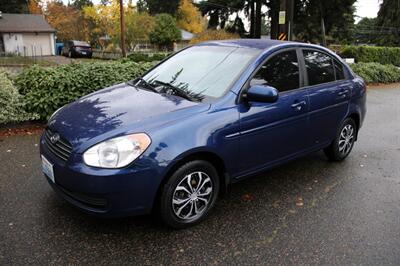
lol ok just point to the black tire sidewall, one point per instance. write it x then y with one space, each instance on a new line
166 212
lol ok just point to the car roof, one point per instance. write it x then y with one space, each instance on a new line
260 44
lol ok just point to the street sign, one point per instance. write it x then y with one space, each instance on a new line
282 17
282 36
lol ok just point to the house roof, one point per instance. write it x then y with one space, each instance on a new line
186 36
11 23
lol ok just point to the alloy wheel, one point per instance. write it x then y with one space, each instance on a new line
346 139
192 196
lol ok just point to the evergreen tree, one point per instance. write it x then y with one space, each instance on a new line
14 6
389 22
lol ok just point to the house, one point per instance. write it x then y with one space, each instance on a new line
26 35
186 37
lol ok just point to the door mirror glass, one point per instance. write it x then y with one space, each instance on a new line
259 93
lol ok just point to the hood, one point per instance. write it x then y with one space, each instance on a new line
119 109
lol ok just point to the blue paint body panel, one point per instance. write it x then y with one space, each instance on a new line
247 137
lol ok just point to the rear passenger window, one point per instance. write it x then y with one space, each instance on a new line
339 70
319 67
281 71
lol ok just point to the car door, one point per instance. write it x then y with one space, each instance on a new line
271 132
329 93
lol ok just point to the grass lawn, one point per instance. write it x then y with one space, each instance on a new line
23 61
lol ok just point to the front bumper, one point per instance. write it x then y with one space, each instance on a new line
105 192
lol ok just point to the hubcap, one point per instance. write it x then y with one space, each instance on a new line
346 139
192 196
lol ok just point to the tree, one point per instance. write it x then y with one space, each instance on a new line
162 6
102 21
219 11
35 7
367 31
389 22
165 30
141 6
80 4
189 17
138 27
14 6
338 17
67 20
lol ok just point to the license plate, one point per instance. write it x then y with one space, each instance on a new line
83 52
47 169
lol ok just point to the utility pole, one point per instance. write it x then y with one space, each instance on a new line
282 34
122 24
285 18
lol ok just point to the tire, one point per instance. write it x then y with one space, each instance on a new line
189 194
341 147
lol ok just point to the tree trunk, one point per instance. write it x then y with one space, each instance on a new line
252 19
257 26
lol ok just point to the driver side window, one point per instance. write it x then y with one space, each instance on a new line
281 71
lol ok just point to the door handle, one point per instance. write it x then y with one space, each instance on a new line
299 105
343 92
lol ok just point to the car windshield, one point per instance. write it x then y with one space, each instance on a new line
201 72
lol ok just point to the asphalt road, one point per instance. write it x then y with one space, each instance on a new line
309 211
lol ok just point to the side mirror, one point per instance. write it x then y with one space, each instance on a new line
259 93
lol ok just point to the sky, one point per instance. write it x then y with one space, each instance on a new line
364 8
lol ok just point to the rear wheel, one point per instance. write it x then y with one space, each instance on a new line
189 194
344 141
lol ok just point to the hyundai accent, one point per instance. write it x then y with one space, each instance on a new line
208 116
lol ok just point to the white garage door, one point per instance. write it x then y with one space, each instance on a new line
37 44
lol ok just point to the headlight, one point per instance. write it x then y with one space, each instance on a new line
117 152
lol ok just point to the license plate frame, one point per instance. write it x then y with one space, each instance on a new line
47 169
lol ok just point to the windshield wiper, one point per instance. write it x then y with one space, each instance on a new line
184 93
146 85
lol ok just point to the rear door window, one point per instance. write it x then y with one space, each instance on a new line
319 67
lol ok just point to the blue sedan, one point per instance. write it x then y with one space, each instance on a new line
210 115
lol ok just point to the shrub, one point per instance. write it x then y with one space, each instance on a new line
47 89
11 102
140 57
382 55
210 35
377 73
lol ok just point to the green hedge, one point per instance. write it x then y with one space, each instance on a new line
377 73
47 89
382 55
140 57
11 102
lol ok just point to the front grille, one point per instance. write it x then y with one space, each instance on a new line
60 147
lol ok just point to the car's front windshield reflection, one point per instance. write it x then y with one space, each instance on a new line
202 71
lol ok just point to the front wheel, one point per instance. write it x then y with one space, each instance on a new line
189 194
344 141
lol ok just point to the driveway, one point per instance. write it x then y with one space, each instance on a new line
309 211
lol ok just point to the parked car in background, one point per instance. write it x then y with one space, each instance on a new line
77 49
208 116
